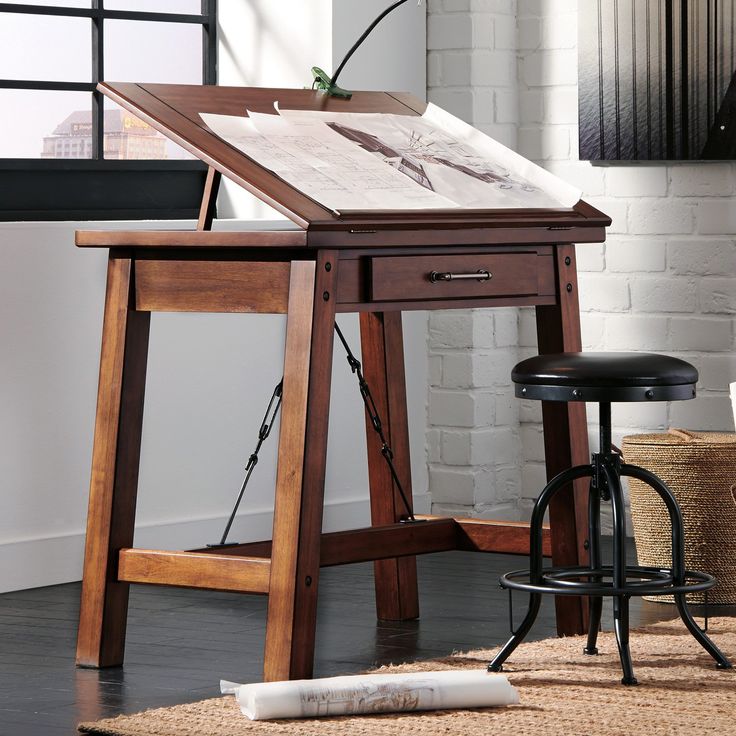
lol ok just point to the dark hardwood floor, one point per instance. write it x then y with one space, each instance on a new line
181 642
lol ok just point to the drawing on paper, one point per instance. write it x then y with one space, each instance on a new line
393 157
369 698
437 149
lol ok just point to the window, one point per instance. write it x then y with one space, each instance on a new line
68 153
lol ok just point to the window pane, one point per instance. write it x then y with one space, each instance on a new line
137 51
127 137
193 7
44 47
45 124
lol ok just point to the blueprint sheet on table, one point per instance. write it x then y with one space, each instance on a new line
378 161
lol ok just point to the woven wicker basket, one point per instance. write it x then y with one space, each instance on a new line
700 468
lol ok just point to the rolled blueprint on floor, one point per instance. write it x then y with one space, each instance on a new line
355 694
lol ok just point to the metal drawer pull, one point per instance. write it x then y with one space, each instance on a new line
479 275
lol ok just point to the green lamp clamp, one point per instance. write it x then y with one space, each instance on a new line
324 83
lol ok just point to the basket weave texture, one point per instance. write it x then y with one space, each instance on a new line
700 469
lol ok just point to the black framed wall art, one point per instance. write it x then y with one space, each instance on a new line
656 80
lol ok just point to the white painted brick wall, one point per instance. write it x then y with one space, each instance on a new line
473 438
634 256
664 281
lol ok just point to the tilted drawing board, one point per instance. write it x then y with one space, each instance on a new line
179 112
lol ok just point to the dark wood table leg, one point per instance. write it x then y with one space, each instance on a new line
297 525
383 367
115 462
566 440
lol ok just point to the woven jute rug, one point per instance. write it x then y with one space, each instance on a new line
562 691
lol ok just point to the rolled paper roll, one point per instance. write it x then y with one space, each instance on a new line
361 694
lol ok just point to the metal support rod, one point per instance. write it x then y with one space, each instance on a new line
604 422
264 430
594 542
620 602
372 411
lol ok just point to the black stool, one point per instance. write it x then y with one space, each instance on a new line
606 377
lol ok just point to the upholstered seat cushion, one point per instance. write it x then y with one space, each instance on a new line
604 370
604 377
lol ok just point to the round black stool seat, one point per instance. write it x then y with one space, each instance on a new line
605 377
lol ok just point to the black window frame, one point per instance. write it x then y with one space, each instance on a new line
98 188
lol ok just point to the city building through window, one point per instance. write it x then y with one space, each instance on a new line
125 138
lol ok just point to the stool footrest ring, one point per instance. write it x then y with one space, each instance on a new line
650 581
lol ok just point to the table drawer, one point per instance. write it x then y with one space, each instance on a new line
406 278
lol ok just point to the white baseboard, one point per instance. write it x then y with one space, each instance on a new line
36 563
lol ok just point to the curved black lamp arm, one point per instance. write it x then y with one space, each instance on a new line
328 84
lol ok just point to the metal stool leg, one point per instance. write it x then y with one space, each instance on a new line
596 492
621 629
620 602
535 558
535 601
703 639
678 558
594 539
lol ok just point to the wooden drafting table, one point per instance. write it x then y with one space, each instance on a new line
374 263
